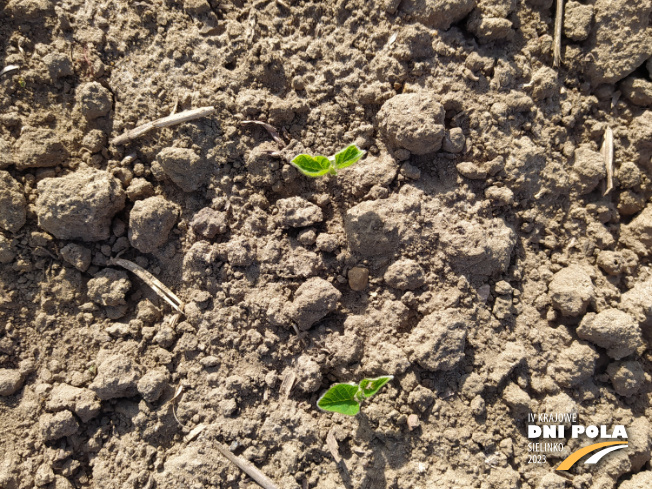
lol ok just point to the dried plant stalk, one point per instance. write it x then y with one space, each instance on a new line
9 69
171 120
270 129
247 468
559 22
607 151
155 284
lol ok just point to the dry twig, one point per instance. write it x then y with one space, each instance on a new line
155 284
171 120
247 468
607 151
559 22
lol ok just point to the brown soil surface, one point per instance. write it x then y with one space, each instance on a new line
477 253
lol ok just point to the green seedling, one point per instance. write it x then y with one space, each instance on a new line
318 166
346 398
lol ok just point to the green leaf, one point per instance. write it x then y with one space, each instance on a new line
312 166
369 387
340 398
348 156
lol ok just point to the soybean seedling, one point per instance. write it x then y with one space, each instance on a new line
318 166
346 398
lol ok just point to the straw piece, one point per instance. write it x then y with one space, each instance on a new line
559 22
9 69
155 284
333 446
607 151
287 383
248 468
171 120
270 129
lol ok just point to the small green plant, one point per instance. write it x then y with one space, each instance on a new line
346 398
317 166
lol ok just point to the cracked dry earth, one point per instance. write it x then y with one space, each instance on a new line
477 253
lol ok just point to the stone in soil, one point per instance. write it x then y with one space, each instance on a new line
358 278
13 207
117 376
313 300
571 290
79 205
612 329
150 222
438 340
414 121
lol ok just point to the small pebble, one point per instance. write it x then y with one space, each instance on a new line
358 278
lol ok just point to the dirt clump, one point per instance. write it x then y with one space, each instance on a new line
79 205
413 121
13 208
150 222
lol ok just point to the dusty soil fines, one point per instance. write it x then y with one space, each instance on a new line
473 254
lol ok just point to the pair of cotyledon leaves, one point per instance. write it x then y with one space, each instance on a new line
346 398
317 166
